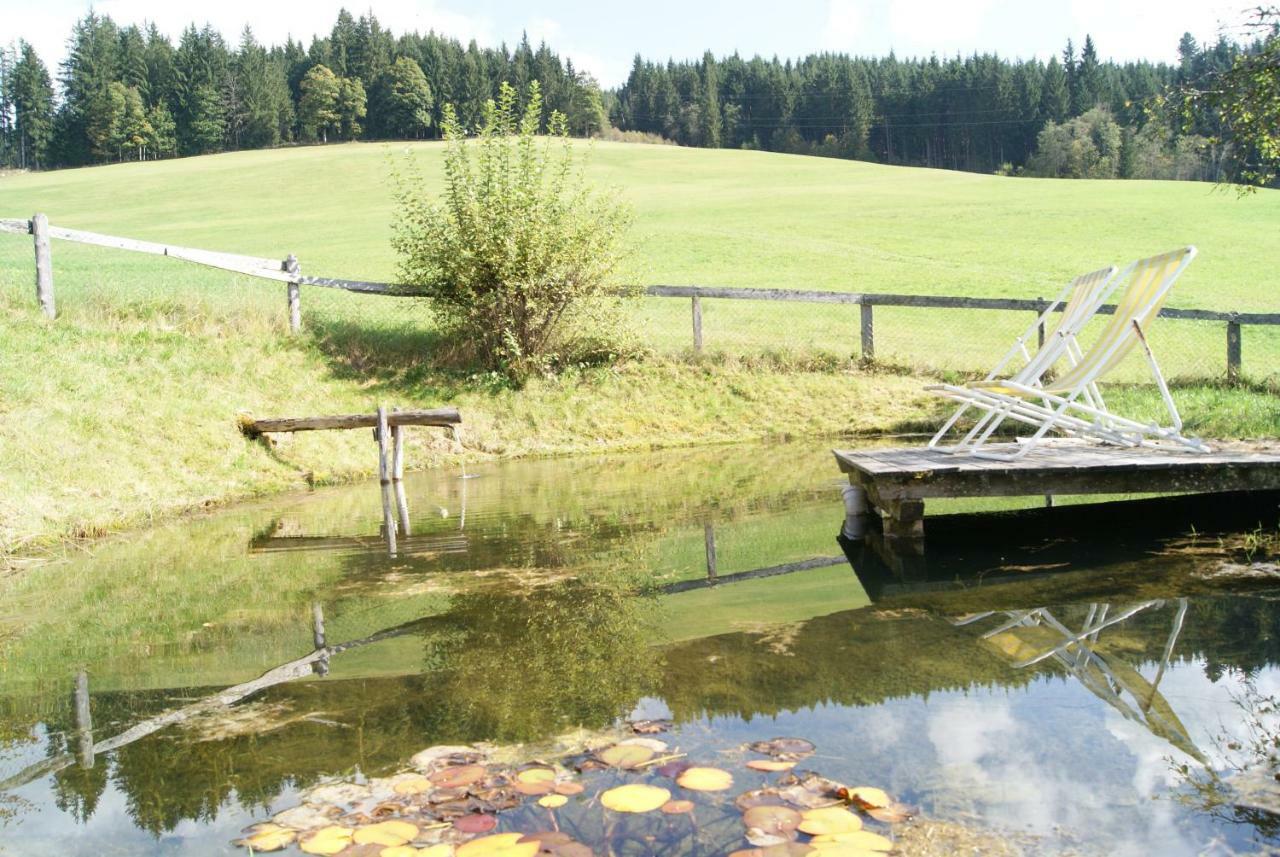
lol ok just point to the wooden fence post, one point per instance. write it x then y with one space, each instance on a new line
697 324
868 334
709 536
84 721
383 465
295 296
44 264
1233 351
1040 328
397 450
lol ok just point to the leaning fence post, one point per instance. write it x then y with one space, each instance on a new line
868 333
291 266
1233 350
697 324
44 264
1040 326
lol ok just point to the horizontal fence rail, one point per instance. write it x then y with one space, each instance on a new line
287 270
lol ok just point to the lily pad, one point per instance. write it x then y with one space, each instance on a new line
770 765
705 780
673 769
829 820
894 813
864 840
553 801
327 840
536 775
568 789
625 756
385 833
651 743
868 797
635 797
786 749
778 820
677 807
269 837
412 786
499 845
458 776
475 822
758 797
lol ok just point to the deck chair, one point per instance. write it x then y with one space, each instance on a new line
1072 403
1079 301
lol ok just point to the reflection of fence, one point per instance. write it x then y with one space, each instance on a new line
934 331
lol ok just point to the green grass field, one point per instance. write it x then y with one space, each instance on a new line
124 409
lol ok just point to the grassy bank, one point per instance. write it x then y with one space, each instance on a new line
124 409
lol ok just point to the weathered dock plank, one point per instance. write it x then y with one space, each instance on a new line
899 480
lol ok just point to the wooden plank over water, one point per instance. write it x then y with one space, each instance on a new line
1062 467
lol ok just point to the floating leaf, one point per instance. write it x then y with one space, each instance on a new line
829 820
650 743
625 756
475 822
569 789
782 820
758 797
787 749
705 780
673 769
412 786
761 839
553 801
540 787
403 851
385 833
548 838
269 837
770 765
443 849
863 840
458 776
867 797
499 845
895 813
536 775
636 797
327 840
677 807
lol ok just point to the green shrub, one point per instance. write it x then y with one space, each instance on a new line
519 257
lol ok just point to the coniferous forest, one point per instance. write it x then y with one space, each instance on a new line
128 93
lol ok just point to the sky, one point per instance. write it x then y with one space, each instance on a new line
602 37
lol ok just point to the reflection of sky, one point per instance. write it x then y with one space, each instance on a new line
1049 759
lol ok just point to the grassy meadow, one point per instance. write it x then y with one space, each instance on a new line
124 409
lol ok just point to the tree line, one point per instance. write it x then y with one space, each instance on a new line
1074 116
128 93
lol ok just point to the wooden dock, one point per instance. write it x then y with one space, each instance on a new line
896 482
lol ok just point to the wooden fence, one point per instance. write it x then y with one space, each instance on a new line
288 271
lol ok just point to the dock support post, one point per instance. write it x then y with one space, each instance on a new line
295 296
1233 351
397 451
904 520
709 536
84 721
402 507
868 333
384 469
697 324
44 265
856 512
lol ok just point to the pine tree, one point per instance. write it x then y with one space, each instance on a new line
709 113
1055 100
32 97
1089 84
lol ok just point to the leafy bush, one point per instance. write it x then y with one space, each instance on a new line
518 256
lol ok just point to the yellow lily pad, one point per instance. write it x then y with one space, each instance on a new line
552 801
864 840
705 780
636 797
271 837
770 765
869 797
385 833
327 840
498 845
413 786
536 775
625 755
443 849
829 820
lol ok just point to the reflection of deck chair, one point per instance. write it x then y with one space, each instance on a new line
1029 637
1072 404
1079 302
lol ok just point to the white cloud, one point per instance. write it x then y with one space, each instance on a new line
843 25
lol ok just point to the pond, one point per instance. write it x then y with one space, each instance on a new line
1019 692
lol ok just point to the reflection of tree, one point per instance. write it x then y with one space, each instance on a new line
1246 788
520 665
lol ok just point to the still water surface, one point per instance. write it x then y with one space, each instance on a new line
1065 697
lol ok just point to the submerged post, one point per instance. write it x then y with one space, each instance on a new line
868 333
397 450
1233 351
382 432
44 264
295 295
697 324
